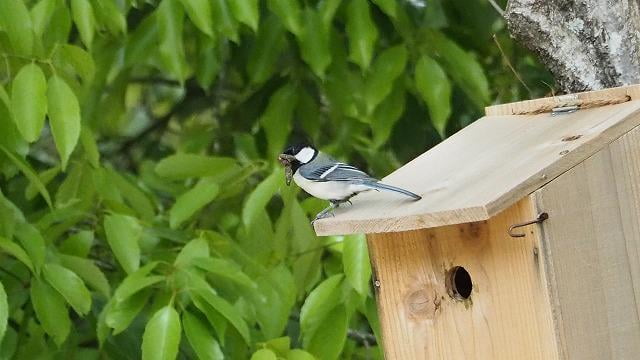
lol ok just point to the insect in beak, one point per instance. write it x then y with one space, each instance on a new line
285 160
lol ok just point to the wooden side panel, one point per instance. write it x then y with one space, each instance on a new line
512 108
508 314
591 242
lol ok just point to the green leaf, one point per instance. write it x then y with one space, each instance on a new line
275 300
41 14
297 354
32 241
307 266
90 146
77 60
70 286
264 354
78 244
64 117
88 272
387 6
57 29
10 137
119 315
110 16
434 88
123 235
318 304
328 10
388 66
327 342
26 169
228 311
280 345
170 17
196 248
463 68
4 311
162 335
51 310
16 251
191 201
199 12
221 268
4 97
133 195
246 12
387 115
45 177
16 22
355 259
29 101
216 320
277 119
82 13
136 282
266 50
225 23
142 41
209 63
260 197
200 338
289 12
362 33
184 166
314 43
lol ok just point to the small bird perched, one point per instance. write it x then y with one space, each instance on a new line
325 178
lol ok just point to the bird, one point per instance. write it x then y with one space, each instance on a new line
325 178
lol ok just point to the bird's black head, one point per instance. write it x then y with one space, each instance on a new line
298 155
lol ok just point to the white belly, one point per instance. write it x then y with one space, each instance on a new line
328 190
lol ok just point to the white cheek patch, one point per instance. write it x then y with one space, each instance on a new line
305 155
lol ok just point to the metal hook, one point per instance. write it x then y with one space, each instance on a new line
563 110
541 217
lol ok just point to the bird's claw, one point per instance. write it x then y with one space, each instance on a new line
323 215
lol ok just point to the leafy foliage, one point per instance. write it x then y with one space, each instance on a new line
138 181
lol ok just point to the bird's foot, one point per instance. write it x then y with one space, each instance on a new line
328 212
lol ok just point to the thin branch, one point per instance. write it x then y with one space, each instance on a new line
366 339
506 59
155 81
497 7
157 125
24 283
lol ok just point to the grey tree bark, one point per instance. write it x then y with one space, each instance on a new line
586 44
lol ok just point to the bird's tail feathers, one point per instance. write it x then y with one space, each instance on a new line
381 186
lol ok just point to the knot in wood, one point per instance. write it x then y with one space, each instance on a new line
422 304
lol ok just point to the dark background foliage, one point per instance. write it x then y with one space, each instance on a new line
142 212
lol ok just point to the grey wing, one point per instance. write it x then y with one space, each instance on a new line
333 171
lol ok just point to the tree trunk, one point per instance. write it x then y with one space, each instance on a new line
586 44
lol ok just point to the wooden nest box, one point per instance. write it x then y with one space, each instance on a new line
452 278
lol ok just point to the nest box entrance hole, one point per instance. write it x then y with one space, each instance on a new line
459 284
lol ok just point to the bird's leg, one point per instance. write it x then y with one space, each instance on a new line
326 212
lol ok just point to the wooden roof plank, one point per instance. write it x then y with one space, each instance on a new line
483 169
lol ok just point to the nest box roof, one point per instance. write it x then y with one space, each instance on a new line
488 166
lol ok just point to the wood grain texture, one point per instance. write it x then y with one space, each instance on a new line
483 169
513 108
508 315
591 243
